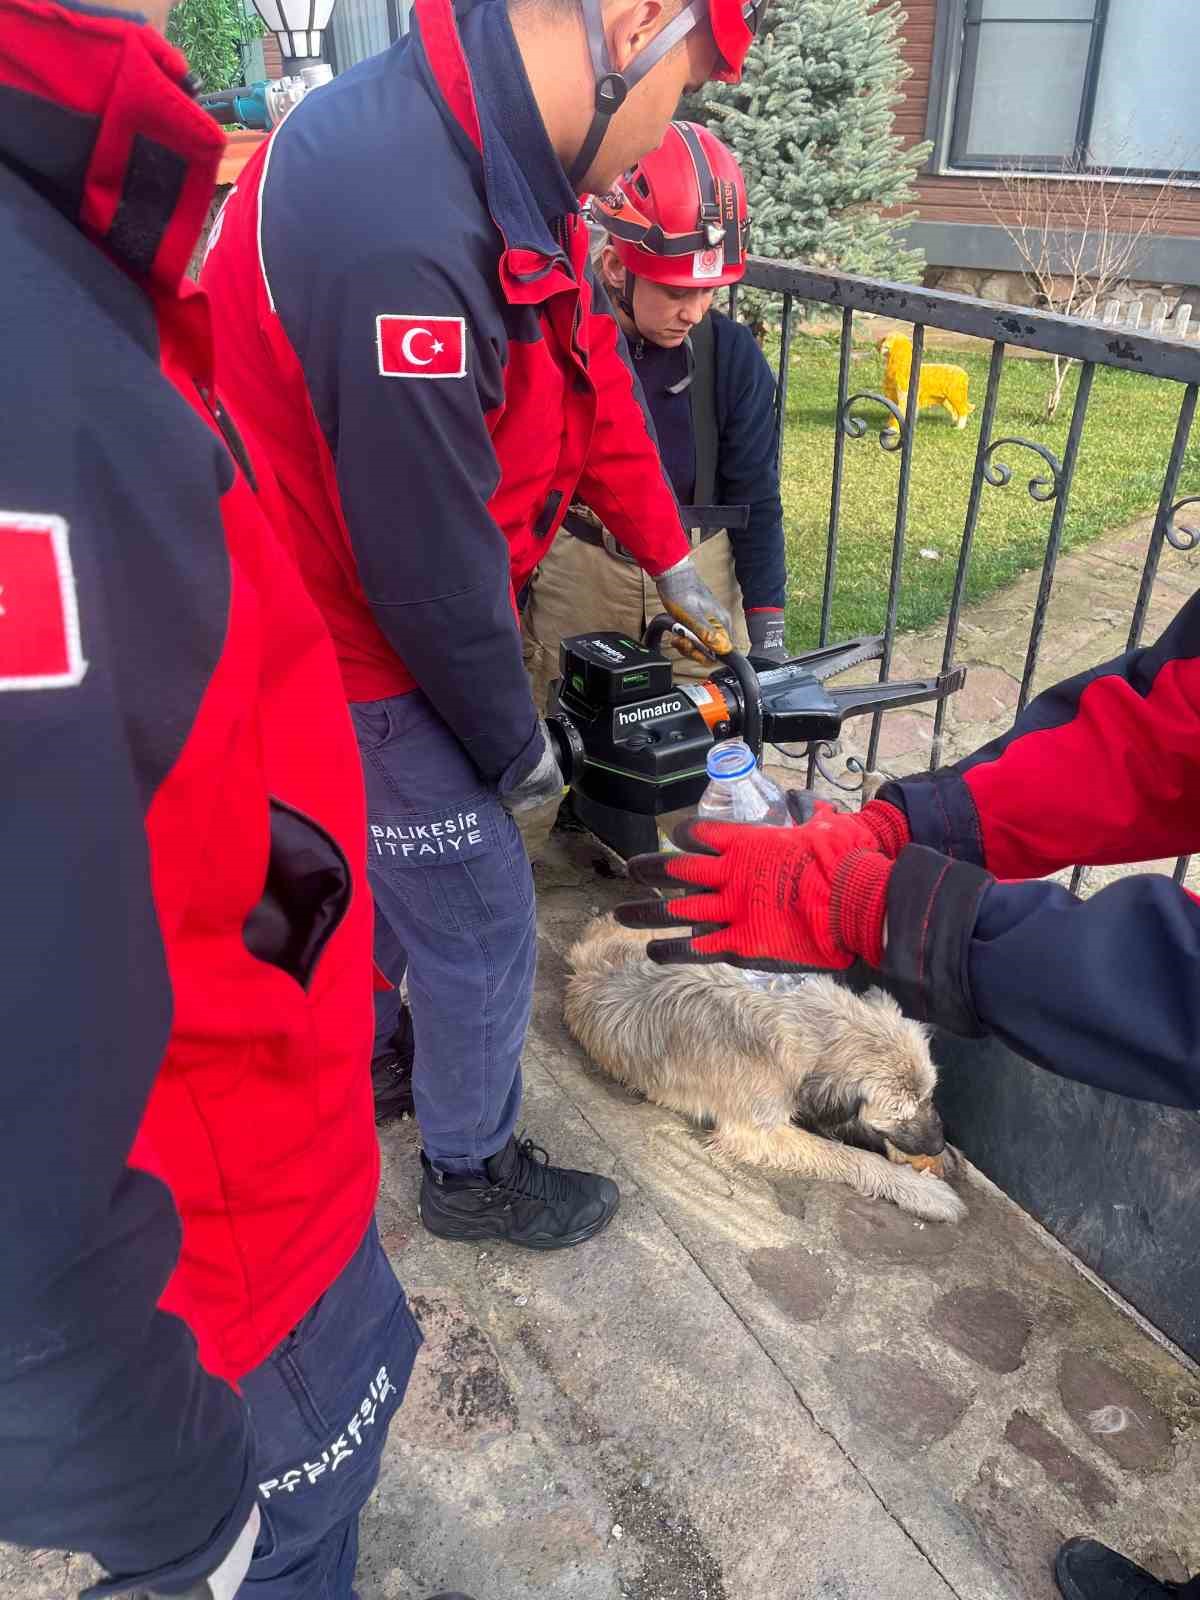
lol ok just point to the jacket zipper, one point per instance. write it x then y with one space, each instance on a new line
234 442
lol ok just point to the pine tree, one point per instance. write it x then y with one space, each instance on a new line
811 124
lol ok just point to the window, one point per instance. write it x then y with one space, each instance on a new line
1078 84
361 28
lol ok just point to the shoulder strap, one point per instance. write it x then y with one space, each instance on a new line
703 392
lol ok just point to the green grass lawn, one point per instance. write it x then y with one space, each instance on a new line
1123 456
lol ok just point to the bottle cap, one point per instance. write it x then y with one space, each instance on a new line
733 759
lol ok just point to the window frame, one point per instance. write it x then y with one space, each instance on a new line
957 36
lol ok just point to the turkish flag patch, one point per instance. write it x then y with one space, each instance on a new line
421 347
39 615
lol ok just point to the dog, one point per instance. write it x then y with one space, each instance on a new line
811 1078
939 384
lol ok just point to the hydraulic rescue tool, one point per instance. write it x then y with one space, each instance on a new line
632 740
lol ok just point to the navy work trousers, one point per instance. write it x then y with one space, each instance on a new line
454 899
320 1405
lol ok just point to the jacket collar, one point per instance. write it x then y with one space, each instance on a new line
512 124
96 114
480 78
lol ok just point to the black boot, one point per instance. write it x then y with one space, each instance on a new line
522 1199
391 1073
1087 1570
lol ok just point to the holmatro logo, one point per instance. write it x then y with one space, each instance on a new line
650 713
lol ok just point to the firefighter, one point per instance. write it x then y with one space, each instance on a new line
711 395
936 883
202 1344
405 313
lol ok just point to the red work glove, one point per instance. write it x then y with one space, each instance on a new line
878 826
768 897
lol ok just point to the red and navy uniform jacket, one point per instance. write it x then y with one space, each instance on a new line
747 466
407 320
186 1134
1101 769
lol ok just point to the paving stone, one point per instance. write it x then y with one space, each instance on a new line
548 997
458 1394
896 1399
1015 1532
988 692
676 1559
989 1326
1161 1560
559 1541
802 1287
1113 1413
1061 1466
872 1231
902 732
395 1239
792 1195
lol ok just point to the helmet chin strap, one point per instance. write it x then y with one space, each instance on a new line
624 299
612 87
685 382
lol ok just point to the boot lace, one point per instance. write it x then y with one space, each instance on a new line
534 1178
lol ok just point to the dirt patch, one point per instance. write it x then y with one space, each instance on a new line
458 1391
677 1563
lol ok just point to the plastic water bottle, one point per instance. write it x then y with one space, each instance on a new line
739 792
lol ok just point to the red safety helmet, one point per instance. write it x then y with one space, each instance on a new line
679 217
734 25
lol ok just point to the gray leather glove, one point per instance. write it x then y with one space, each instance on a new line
687 598
766 634
225 1582
544 782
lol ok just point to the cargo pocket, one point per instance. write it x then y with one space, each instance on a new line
457 868
323 1401
267 1542
305 898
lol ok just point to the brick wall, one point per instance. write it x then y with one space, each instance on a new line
271 56
960 198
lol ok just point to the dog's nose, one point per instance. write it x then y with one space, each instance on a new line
920 1136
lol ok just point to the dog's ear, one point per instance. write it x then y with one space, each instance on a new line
882 1000
828 1099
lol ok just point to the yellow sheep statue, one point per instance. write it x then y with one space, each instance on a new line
940 384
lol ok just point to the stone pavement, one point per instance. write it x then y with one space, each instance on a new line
760 1388
749 1388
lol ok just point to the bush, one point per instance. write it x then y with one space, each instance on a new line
211 34
812 124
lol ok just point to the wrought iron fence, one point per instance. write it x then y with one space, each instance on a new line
1091 344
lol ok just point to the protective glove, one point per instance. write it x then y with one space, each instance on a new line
775 898
544 782
687 598
225 1582
878 826
765 627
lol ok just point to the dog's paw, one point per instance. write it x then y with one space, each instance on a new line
931 1199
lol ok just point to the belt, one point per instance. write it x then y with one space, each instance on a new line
702 522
